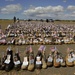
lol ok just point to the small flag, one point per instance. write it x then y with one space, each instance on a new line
27 48
68 49
17 50
53 48
41 48
30 49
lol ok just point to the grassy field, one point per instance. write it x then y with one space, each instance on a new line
48 71
4 23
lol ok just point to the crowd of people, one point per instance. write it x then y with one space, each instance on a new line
36 32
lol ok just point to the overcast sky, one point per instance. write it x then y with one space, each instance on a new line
37 9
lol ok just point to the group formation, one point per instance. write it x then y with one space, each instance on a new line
39 61
36 32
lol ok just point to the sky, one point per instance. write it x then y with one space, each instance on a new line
37 9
